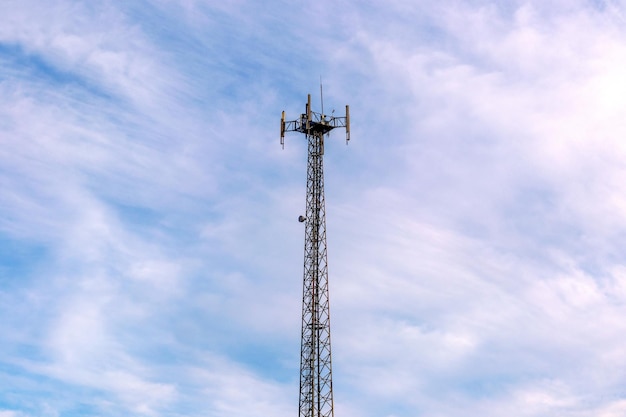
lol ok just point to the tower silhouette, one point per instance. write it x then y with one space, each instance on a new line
316 386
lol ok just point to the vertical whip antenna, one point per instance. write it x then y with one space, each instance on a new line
322 98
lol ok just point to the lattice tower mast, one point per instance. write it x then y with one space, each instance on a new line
316 386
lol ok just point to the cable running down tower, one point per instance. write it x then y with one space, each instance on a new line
316 387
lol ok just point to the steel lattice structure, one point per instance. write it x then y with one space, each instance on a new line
316 386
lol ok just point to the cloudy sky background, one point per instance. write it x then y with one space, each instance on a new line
150 254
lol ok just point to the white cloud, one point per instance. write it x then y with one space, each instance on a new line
509 153
474 221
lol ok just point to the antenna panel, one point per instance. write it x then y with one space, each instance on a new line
347 123
282 130
308 114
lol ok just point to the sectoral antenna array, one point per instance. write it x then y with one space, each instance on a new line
313 123
316 388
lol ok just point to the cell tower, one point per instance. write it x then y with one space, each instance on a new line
316 386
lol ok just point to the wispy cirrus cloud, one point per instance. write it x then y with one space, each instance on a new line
149 214
512 145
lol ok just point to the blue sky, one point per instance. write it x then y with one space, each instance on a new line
150 253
